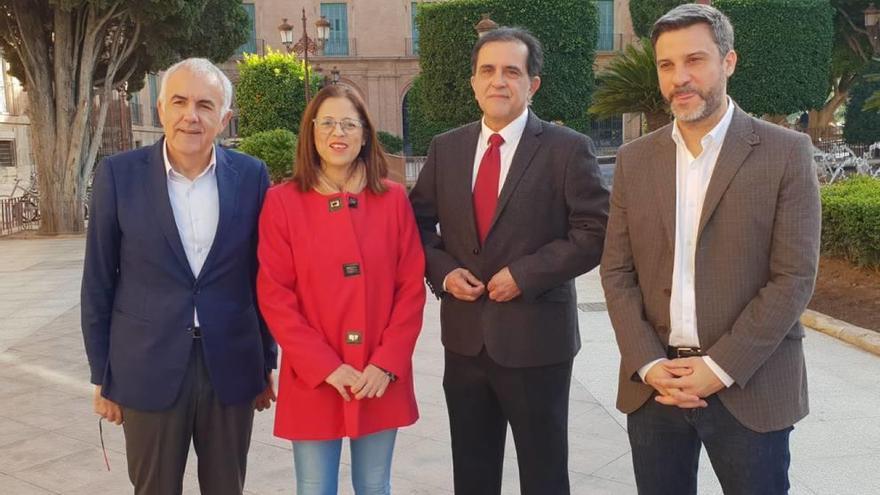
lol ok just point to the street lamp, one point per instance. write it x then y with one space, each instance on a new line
334 75
485 25
872 25
305 45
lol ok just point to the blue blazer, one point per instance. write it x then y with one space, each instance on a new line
138 291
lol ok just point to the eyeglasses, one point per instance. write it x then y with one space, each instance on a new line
328 125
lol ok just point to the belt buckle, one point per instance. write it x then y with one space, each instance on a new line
685 352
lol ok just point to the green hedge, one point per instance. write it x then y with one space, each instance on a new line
784 49
276 147
421 128
567 29
393 144
645 12
851 221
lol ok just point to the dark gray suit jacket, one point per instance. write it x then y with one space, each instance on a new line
548 228
757 252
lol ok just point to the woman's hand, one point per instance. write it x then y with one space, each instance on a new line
344 376
372 383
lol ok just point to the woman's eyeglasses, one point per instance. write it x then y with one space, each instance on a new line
348 126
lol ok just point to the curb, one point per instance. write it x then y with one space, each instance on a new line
862 338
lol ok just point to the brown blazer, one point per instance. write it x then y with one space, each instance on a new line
549 227
757 255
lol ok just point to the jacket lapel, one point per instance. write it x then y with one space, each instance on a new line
157 191
737 146
462 177
664 180
525 151
227 192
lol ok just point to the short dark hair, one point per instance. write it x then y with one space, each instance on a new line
535 58
689 14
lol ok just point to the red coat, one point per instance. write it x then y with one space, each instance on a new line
310 248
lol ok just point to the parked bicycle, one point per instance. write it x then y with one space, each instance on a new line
27 200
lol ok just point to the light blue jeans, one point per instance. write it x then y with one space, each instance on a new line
317 464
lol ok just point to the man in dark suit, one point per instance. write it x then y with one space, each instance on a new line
521 212
176 347
710 259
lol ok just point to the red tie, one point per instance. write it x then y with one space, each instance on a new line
486 187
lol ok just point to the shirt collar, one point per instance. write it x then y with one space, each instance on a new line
511 132
169 170
716 135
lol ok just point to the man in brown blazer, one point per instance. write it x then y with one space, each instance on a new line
710 259
521 212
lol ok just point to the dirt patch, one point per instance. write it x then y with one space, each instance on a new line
848 293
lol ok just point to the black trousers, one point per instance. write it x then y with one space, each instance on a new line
482 398
157 443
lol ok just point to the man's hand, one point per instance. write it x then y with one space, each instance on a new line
670 395
502 287
344 376
692 376
266 397
373 383
106 408
462 284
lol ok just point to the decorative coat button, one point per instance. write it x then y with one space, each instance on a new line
353 337
351 269
335 204
352 202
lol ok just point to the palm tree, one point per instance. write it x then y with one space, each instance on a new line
629 85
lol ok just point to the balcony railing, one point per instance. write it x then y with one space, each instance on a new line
614 42
412 47
339 47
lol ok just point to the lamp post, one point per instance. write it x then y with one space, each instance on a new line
872 26
334 75
305 45
485 25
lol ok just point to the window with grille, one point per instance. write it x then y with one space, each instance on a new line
606 25
137 117
154 97
7 153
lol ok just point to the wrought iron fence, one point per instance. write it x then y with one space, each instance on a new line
18 214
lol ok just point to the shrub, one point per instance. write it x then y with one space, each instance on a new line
392 144
270 92
784 49
851 220
568 30
276 147
645 12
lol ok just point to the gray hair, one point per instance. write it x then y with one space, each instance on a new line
689 14
205 68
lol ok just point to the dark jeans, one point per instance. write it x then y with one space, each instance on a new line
157 443
666 445
483 397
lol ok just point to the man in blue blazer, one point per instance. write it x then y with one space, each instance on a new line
177 349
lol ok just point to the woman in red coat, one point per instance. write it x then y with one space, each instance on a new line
341 288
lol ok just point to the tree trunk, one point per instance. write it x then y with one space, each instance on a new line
656 120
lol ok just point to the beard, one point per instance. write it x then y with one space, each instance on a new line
709 102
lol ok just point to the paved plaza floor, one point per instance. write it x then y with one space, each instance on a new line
49 440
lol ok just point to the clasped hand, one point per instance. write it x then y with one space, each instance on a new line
462 284
370 383
683 382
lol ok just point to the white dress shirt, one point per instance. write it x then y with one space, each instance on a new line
692 179
511 133
196 207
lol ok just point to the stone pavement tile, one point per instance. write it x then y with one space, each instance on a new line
433 423
850 475
588 454
429 390
843 404
13 486
44 408
85 429
270 470
12 431
22 327
38 449
12 386
841 438
593 485
429 461
74 471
